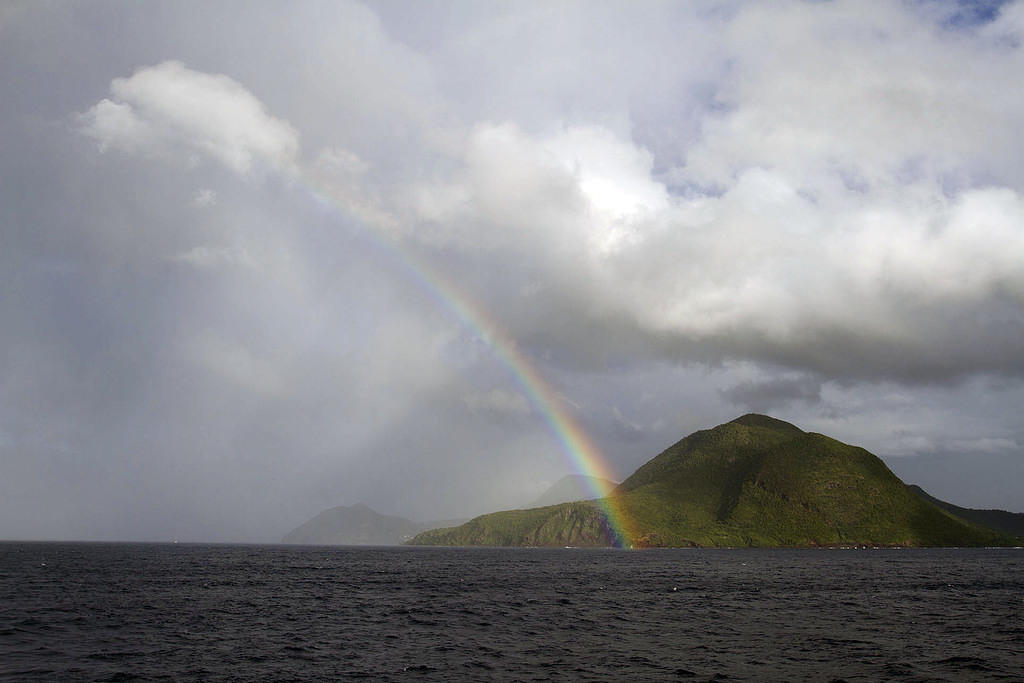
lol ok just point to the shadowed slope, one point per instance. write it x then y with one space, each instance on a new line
1000 520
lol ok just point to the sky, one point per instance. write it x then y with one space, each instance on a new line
235 238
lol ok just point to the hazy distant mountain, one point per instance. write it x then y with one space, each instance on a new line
1000 520
358 525
755 481
572 487
361 525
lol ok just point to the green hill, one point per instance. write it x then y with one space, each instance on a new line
1000 520
755 481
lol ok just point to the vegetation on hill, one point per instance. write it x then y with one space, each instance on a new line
360 525
1000 520
581 523
755 481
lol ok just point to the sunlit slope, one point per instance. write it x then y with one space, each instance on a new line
577 524
755 481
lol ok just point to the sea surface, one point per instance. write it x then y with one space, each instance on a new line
119 612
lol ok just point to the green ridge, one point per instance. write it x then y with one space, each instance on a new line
1001 520
577 524
755 481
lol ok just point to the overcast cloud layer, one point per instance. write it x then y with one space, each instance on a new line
214 324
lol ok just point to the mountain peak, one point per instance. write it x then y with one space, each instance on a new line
757 420
756 481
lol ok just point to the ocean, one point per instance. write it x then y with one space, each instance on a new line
177 612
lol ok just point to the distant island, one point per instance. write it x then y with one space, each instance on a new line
572 487
755 481
361 525
356 525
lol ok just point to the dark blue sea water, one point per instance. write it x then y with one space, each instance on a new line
118 612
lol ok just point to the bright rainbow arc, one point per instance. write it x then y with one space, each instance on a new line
583 455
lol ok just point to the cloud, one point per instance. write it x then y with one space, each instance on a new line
204 198
498 402
204 256
765 396
854 286
167 108
985 445
842 210
239 365
874 96
843 233
762 270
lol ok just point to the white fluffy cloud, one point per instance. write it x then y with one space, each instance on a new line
764 263
167 108
862 92
840 209
851 202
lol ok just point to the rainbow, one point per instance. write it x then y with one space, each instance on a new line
583 455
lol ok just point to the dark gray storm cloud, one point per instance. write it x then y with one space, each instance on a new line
223 224
778 392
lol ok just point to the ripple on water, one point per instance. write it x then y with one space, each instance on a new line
154 612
